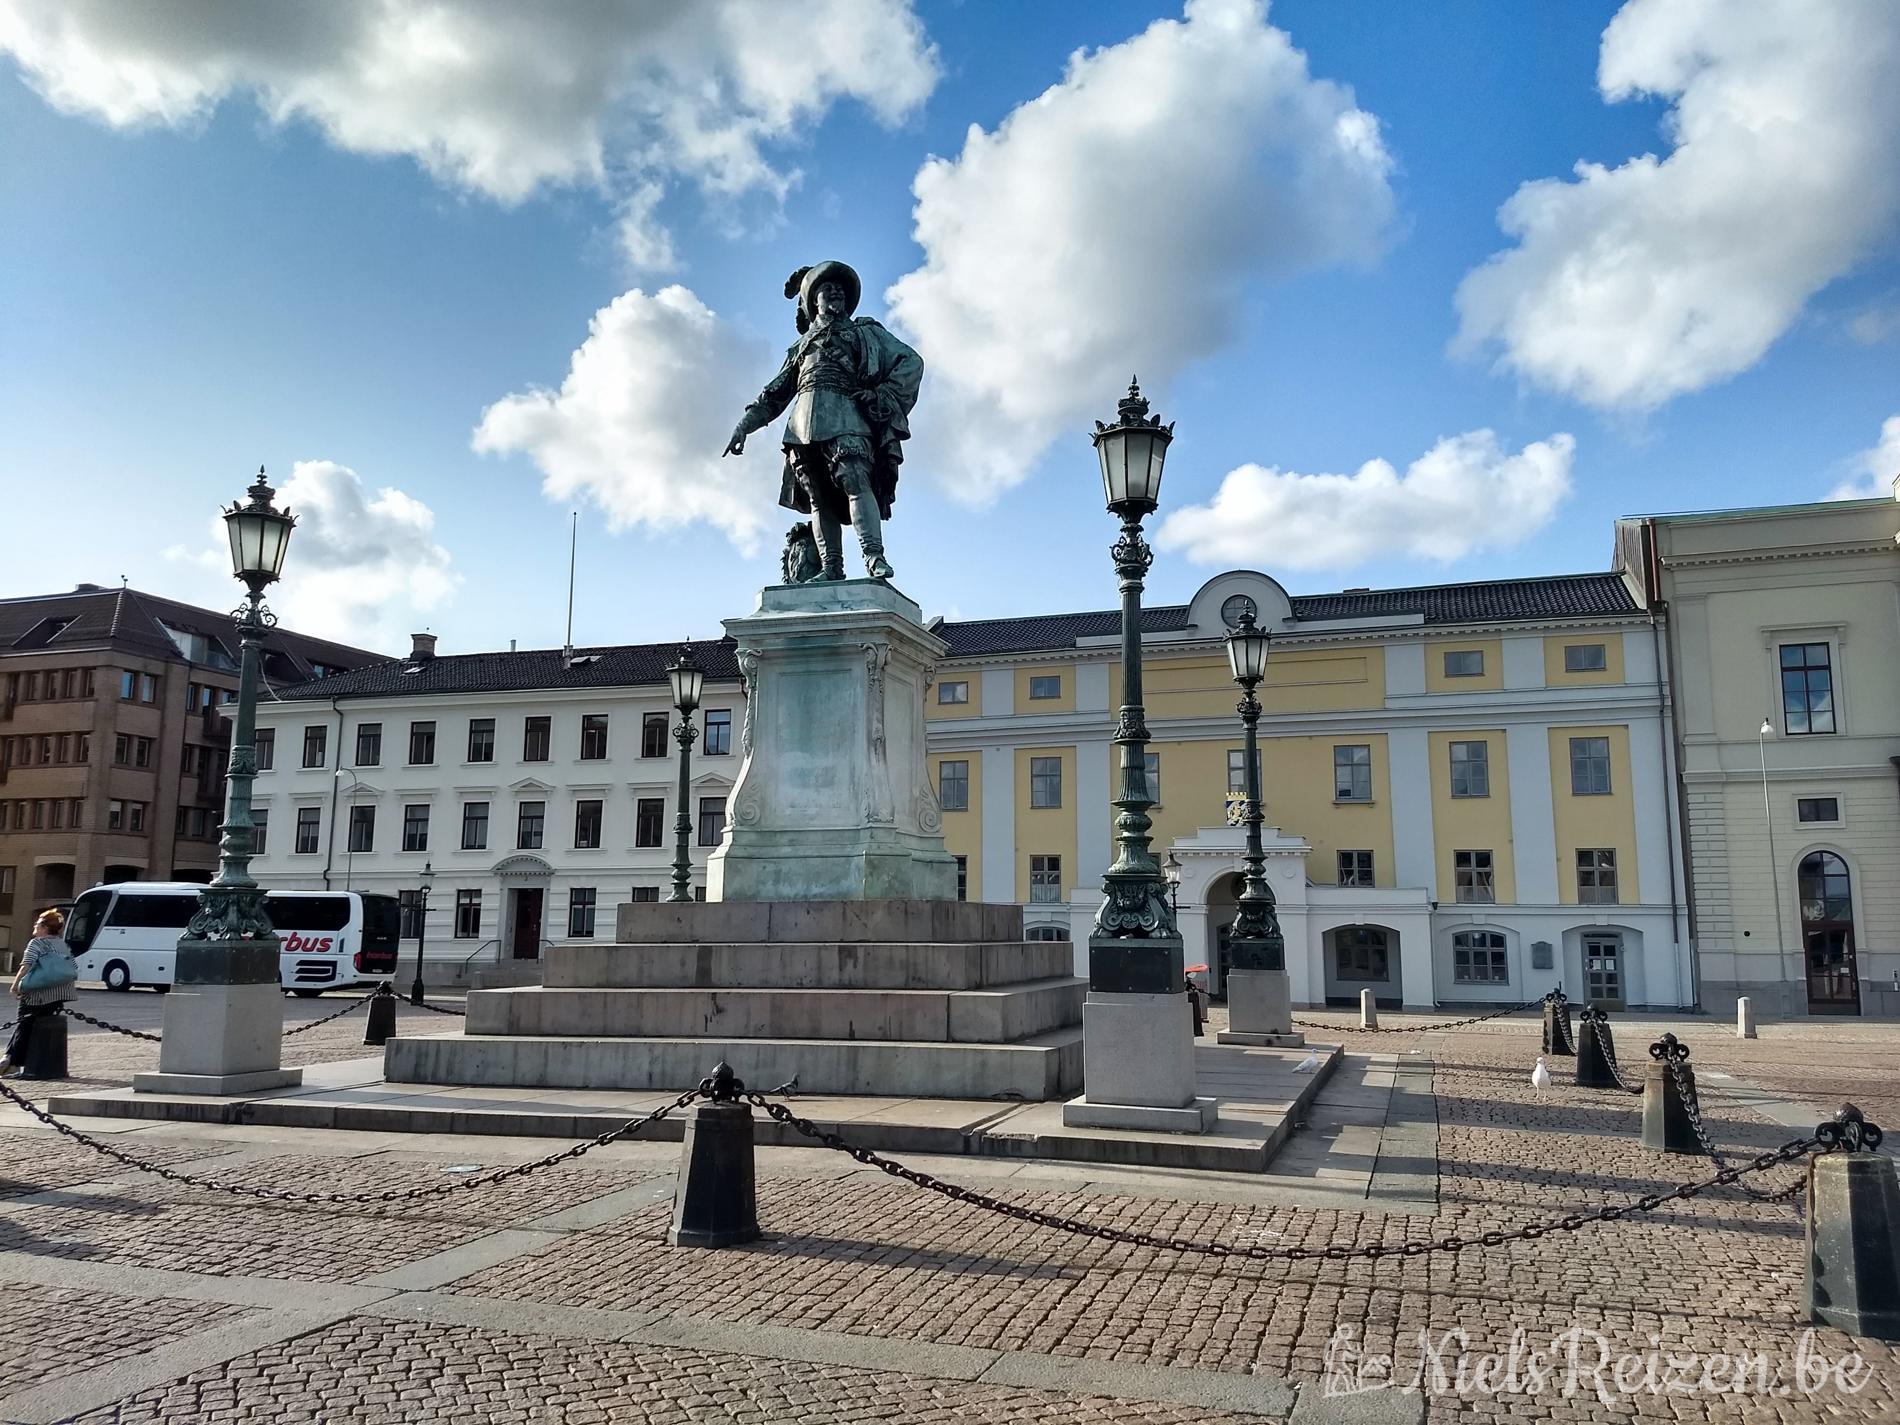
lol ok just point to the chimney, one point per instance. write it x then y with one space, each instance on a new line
422 647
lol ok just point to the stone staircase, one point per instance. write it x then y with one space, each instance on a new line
893 998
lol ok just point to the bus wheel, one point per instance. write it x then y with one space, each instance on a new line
118 976
306 994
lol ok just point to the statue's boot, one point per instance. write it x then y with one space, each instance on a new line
828 535
870 527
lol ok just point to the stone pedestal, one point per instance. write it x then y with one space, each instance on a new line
833 800
224 1023
1260 1010
1138 1041
1853 1241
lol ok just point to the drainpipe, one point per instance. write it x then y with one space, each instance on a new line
1666 738
336 783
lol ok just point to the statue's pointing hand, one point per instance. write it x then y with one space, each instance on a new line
736 446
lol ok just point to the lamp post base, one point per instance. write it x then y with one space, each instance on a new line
218 1085
222 1038
1138 1065
1260 1011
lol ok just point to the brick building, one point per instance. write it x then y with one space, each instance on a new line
113 740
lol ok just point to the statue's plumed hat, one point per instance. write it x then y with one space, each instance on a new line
804 284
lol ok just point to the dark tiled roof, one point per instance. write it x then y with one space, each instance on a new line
1013 635
130 621
530 670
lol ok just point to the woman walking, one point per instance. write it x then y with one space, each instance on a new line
45 982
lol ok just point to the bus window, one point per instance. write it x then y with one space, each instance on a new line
88 913
153 912
307 913
382 921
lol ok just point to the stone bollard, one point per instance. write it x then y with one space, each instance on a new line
1368 1010
1666 1126
1594 1048
382 1017
1744 1019
1557 1036
1853 1232
46 1048
715 1203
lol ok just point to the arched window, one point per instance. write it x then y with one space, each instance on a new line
1360 952
1478 958
1827 933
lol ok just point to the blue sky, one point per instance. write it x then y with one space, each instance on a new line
220 271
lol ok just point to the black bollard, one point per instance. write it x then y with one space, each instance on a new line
46 1047
1557 1037
715 1203
1594 1048
382 1016
1853 1235
1667 1076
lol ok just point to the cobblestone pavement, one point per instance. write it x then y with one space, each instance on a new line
553 1298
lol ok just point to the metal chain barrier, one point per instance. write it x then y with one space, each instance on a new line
520 1170
1847 1130
109 1028
438 1009
1608 1044
1693 1107
1418 1028
359 1002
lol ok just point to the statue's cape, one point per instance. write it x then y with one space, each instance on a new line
895 376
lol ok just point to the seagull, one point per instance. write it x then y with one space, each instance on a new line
1540 1076
1309 1063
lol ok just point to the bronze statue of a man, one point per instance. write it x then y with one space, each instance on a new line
850 386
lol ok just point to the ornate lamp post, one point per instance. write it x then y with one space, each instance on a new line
1259 1000
1137 1027
224 1020
687 680
427 877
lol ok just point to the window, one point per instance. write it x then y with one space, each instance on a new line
653 734
649 821
468 915
362 829
1471 874
712 820
369 744
260 828
1352 774
121 751
1237 770
415 827
536 735
266 744
953 785
1046 932
82 746
1152 770
718 732
316 750
1045 781
1817 808
409 915
963 878
1584 658
1464 663
1045 878
1471 769
1596 876
29 687
956 692
1355 868
128 687
1478 958
135 816
587 826
528 823
593 737
308 824
1807 689
580 912
1589 766
421 744
1045 687
1360 952
474 826
481 739
39 815
644 895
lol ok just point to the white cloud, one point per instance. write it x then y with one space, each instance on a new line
642 416
1467 493
1114 223
498 98
1875 468
1635 284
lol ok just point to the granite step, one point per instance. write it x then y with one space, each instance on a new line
975 1016
763 922
834 964
1048 1066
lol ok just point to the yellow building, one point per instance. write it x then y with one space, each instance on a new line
1466 785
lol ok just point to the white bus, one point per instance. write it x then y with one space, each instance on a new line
127 934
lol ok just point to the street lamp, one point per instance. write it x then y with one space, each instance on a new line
1774 865
426 876
1137 1025
226 972
686 678
1171 873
